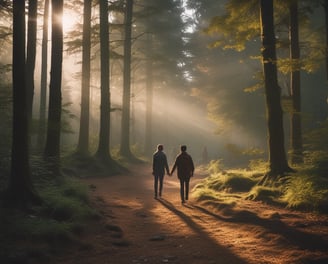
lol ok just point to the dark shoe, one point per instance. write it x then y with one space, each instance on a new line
183 201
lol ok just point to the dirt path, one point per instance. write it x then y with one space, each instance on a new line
140 229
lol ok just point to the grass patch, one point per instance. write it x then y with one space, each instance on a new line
210 197
237 183
306 189
67 201
47 229
306 192
267 194
224 188
229 181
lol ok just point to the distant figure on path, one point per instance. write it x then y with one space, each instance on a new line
205 155
159 166
185 167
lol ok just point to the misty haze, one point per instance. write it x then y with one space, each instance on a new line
179 131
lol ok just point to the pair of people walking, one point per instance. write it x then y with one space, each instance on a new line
185 170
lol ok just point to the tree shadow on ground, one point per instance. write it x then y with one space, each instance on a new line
226 255
293 236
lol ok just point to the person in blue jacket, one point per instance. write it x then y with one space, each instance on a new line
160 165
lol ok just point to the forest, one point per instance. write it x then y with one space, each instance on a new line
88 89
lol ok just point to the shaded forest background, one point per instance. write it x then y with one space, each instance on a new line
177 72
91 87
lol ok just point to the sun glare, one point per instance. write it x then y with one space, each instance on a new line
70 19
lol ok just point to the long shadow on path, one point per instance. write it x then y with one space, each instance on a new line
301 239
223 254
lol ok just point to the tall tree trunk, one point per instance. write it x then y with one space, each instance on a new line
20 190
52 150
325 6
44 77
31 52
277 156
83 144
125 133
295 84
103 151
149 98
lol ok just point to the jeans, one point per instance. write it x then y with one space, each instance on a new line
158 178
184 189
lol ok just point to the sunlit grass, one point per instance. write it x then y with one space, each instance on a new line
306 189
223 187
305 192
258 166
266 194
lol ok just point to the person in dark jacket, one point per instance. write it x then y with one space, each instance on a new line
185 170
160 165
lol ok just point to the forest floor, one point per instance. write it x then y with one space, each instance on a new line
136 228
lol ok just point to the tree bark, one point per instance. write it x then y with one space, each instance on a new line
44 77
52 150
125 132
31 53
295 85
20 189
83 144
149 98
277 158
325 6
103 151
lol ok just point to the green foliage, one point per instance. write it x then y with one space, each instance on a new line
205 194
258 166
223 184
306 192
56 223
316 163
237 183
317 139
201 193
308 188
257 86
238 29
239 25
215 166
262 193
68 202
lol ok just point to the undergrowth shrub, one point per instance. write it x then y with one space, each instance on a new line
64 214
263 193
67 202
237 183
221 186
307 189
215 166
258 166
230 182
306 192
